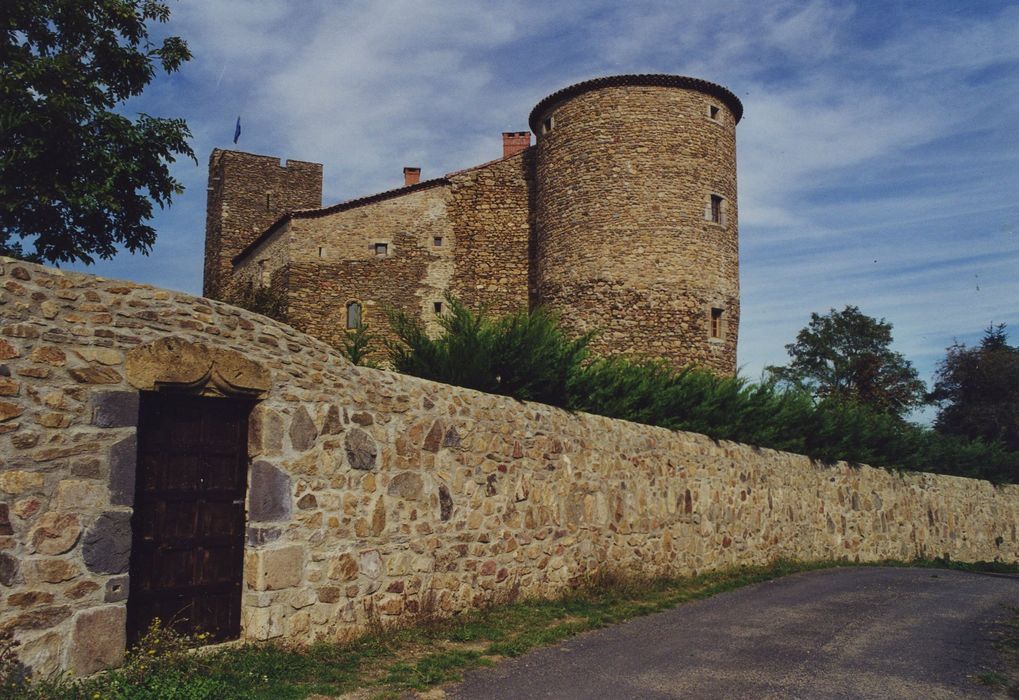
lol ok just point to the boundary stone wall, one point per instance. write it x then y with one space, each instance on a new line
377 496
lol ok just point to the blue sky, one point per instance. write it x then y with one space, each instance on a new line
878 154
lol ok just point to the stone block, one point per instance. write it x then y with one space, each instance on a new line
98 639
114 409
17 481
261 624
361 450
302 430
274 569
75 494
117 589
106 546
8 569
50 571
41 656
407 485
123 470
265 432
269 493
55 533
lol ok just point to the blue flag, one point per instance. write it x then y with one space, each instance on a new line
237 130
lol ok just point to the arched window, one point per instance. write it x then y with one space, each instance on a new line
353 314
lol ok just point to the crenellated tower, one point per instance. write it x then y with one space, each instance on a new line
246 194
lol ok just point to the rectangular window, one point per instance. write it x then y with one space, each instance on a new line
381 248
437 307
716 323
716 209
547 124
713 112
437 241
320 252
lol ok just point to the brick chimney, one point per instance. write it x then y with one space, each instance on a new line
411 176
514 142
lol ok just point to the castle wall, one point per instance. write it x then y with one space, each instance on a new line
267 266
333 262
246 194
623 241
378 496
489 209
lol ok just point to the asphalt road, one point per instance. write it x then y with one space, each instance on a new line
840 633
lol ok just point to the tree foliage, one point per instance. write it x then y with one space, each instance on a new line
528 356
977 390
523 355
77 177
846 356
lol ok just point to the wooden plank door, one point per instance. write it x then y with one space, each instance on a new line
187 549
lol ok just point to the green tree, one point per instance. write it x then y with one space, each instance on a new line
977 390
846 356
78 178
523 354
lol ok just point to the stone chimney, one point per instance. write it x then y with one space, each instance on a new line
411 176
514 142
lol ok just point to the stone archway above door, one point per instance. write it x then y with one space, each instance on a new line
175 363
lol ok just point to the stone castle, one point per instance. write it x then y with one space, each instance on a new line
622 218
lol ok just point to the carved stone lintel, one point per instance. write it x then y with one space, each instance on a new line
174 363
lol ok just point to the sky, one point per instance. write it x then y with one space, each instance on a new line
878 156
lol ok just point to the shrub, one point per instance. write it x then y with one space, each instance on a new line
529 357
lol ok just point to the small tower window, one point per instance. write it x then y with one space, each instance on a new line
716 323
268 201
713 112
546 124
321 252
437 307
353 314
437 241
382 249
715 213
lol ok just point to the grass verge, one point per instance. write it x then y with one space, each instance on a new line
387 662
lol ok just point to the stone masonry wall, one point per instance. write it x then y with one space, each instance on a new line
624 244
246 194
333 262
377 496
490 212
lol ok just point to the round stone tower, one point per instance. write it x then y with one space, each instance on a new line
635 216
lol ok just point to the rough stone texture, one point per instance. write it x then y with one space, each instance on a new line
98 639
106 547
114 409
274 569
55 533
117 589
623 243
123 464
419 494
361 449
269 490
246 194
302 430
608 219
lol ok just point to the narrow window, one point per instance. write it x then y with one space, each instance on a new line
713 112
381 248
716 323
437 241
546 124
268 201
437 307
353 314
320 253
716 209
